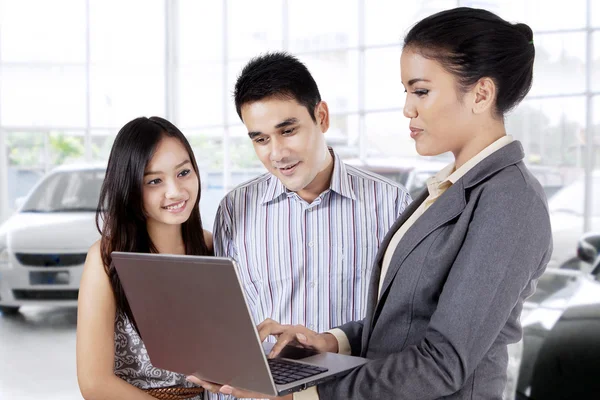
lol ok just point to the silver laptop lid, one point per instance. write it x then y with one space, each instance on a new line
223 345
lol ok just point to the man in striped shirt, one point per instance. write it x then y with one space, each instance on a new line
305 233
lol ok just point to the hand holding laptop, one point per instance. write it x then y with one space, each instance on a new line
237 393
286 335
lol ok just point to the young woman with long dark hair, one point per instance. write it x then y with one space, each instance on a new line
149 202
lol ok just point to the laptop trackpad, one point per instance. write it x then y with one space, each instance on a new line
291 352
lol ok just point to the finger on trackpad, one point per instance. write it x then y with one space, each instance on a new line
296 353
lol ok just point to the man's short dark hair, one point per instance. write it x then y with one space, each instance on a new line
279 75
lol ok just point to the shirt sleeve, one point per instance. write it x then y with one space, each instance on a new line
403 201
223 231
343 342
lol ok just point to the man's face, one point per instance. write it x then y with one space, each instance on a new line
287 140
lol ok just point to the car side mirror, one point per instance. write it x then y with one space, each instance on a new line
588 248
586 251
19 201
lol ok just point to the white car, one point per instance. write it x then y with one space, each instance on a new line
44 244
566 216
565 312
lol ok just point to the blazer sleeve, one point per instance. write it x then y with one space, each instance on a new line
506 248
353 331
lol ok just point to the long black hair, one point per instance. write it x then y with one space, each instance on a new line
473 43
120 216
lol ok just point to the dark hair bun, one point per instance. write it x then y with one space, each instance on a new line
472 43
525 30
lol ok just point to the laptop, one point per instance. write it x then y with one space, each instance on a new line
193 317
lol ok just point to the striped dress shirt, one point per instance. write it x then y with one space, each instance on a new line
308 263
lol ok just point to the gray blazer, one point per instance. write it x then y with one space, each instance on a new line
454 291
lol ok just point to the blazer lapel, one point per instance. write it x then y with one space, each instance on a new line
376 272
410 210
447 207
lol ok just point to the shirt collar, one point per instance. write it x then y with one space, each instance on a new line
449 176
437 181
340 182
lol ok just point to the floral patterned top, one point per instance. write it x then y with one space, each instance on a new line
132 363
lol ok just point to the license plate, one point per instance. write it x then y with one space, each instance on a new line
49 278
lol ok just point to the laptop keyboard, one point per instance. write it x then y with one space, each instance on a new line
284 371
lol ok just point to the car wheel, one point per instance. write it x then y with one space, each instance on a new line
7 310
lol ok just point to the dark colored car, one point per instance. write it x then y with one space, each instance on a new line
561 336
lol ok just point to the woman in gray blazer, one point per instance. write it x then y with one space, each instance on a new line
450 278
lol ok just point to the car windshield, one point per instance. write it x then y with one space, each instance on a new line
570 199
70 191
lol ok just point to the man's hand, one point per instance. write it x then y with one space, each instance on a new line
296 335
238 393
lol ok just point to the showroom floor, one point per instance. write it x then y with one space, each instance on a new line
37 354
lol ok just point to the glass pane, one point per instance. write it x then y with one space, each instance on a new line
387 21
596 120
388 135
538 14
243 156
253 27
383 86
66 147
26 163
333 26
201 95
31 154
596 130
595 13
26 149
336 74
101 142
559 63
20 181
208 148
42 31
567 205
551 130
596 61
571 199
42 96
127 32
119 94
199 20
342 135
234 69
